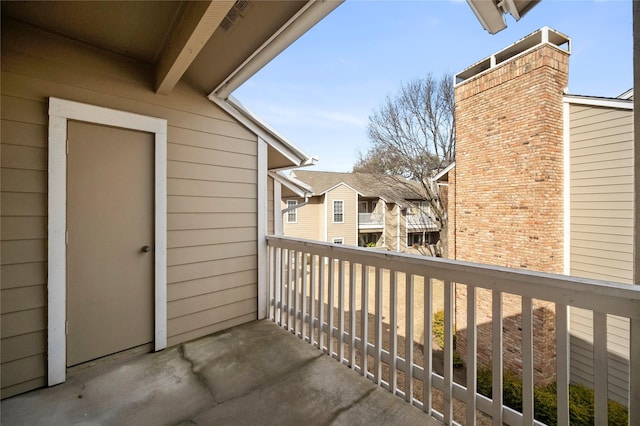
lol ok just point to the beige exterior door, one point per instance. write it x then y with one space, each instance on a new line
110 298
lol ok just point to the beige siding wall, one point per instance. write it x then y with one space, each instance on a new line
211 206
310 220
601 163
348 230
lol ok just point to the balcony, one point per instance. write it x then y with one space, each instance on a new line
351 302
370 221
420 222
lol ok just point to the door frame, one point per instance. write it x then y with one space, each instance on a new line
60 111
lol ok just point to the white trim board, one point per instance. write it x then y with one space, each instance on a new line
60 111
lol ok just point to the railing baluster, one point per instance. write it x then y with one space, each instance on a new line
408 339
472 360
378 338
352 315
330 303
496 353
448 352
283 285
600 368
393 330
303 287
364 319
341 311
295 289
312 295
562 363
634 372
527 360
428 345
321 266
277 277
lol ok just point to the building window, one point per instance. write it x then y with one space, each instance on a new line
415 239
338 211
368 239
292 215
338 240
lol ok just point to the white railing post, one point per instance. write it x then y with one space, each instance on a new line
527 360
408 338
562 363
427 349
393 331
330 303
600 368
312 293
472 360
341 311
364 320
352 315
378 324
303 287
448 352
496 354
634 372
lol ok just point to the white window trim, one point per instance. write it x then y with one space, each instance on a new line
333 211
60 111
294 211
338 240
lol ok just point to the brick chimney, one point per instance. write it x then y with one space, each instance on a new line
508 184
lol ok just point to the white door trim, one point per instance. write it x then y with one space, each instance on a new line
60 111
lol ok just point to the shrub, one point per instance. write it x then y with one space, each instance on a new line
545 403
438 334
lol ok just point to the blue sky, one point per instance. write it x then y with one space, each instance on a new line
320 92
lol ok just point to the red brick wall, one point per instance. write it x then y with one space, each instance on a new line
509 190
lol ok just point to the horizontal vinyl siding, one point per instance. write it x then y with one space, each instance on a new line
348 230
212 190
310 223
601 162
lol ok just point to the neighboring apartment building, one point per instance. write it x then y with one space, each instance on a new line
360 209
543 181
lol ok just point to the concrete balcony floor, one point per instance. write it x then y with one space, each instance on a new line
252 374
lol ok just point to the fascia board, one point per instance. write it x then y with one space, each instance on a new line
443 172
289 150
337 185
600 102
299 188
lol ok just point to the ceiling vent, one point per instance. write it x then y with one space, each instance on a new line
237 11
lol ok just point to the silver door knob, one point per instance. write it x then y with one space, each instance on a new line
146 249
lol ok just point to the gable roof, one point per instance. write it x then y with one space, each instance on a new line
391 189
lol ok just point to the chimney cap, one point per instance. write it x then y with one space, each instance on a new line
544 35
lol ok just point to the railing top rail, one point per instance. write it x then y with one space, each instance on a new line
600 296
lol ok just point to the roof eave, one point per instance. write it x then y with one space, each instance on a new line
308 16
289 150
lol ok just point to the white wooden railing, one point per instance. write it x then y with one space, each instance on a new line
370 219
316 289
420 221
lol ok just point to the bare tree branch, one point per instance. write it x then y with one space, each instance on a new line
412 135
